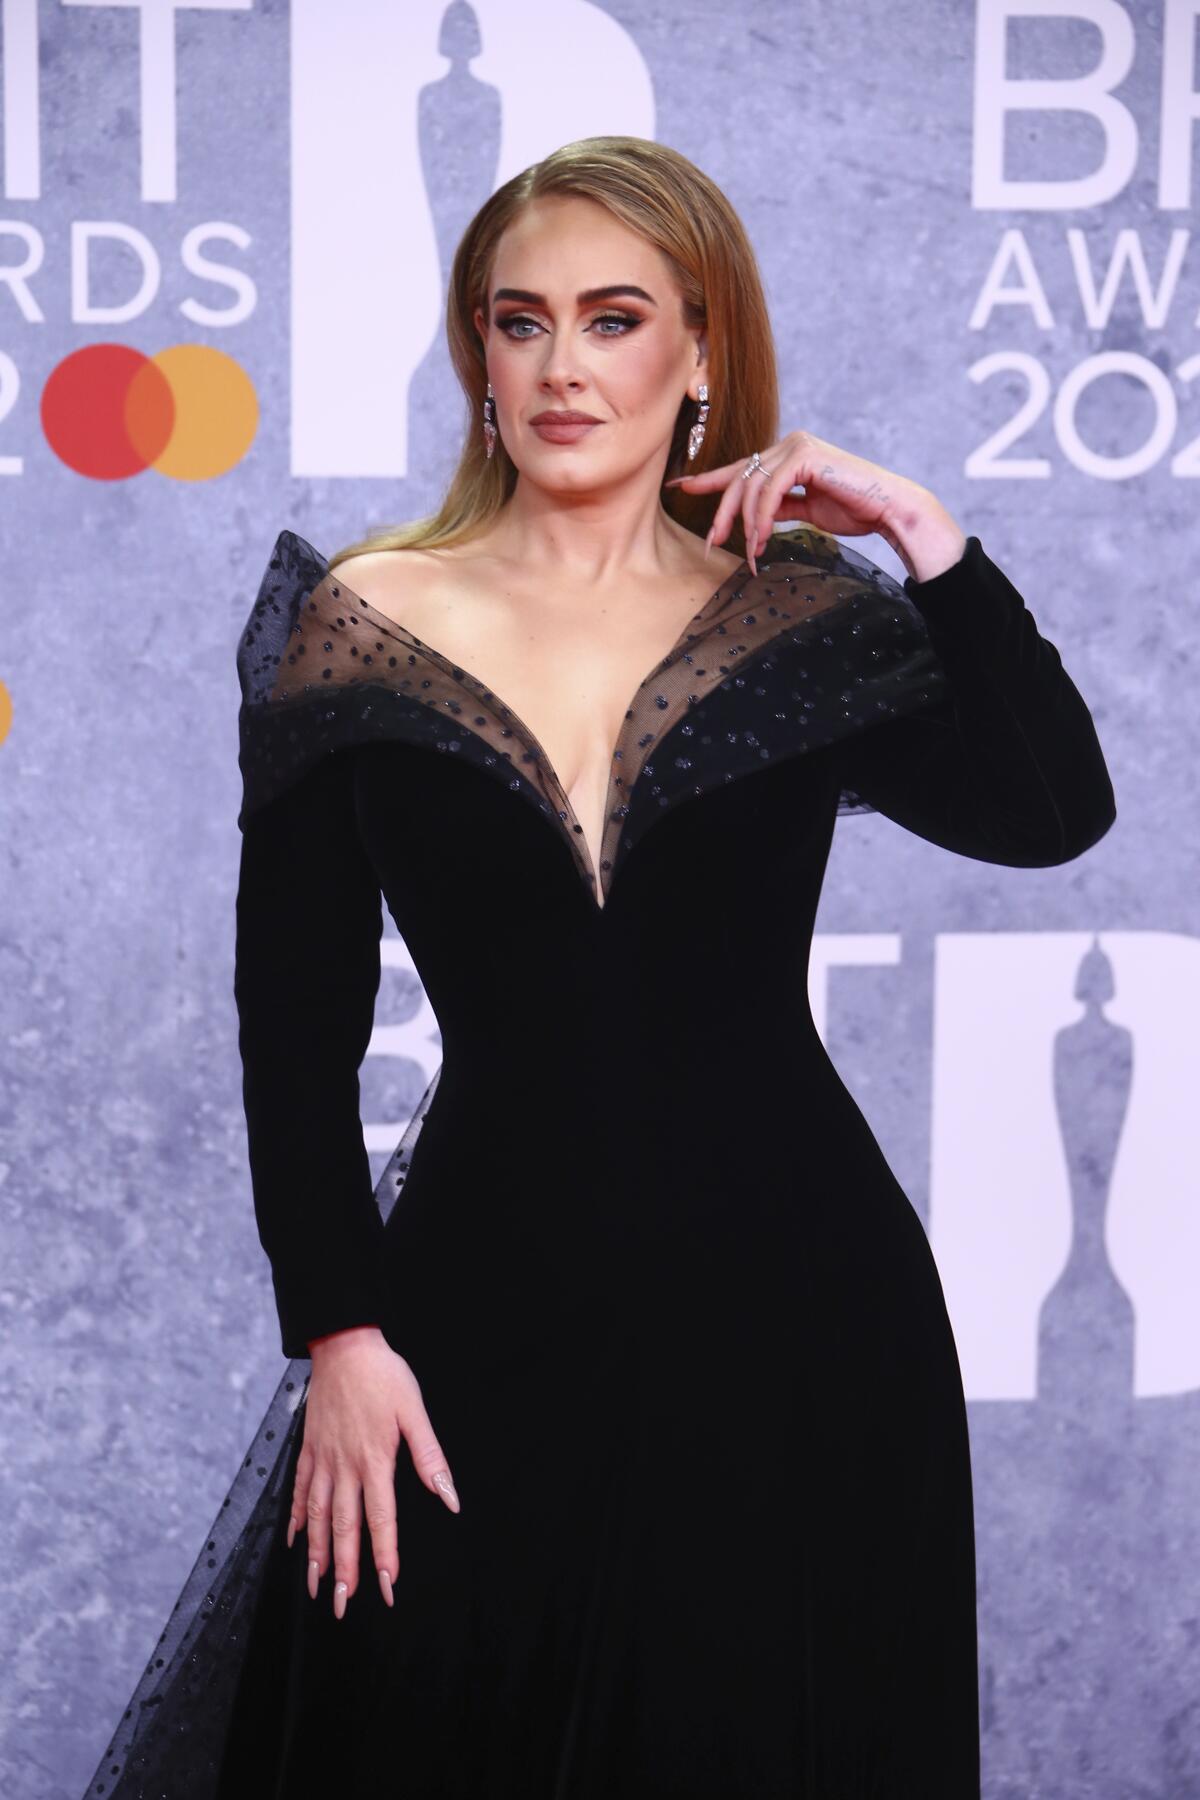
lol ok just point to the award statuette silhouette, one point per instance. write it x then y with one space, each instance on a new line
1086 1322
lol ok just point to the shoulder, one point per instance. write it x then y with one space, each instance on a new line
414 587
294 567
374 572
375 575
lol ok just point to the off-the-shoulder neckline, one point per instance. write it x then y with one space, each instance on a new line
649 713
339 589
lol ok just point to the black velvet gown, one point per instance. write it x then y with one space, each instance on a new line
678 1328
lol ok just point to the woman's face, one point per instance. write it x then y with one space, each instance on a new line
554 345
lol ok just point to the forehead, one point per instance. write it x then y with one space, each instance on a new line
562 243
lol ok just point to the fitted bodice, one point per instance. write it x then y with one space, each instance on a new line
508 943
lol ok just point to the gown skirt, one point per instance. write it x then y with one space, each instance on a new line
677 1326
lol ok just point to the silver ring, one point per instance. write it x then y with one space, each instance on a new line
755 466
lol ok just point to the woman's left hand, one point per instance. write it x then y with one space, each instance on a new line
843 494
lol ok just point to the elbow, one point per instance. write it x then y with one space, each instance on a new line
1097 819
1078 790
1083 827
1081 802
1093 809
1058 836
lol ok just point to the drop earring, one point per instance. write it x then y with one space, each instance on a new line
696 434
489 420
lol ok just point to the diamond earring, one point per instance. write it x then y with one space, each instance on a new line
489 420
696 434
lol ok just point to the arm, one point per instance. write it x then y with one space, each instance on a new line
309 921
1007 768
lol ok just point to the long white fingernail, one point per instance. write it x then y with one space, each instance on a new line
314 1576
385 1583
340 1590
291 1532
445 1488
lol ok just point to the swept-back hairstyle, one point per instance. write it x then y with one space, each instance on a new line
675 206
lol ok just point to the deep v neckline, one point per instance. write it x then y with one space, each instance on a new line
618 787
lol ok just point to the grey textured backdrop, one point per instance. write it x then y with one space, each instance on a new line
896 207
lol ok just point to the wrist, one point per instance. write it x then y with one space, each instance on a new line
348 1335
927 539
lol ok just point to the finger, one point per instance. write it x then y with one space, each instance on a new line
346 1526
701 480
739 497
729 476
379 1510
764 508
727 506
316 1511
791 506
752 514
428 1457
300 1487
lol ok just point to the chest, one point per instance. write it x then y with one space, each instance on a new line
568 671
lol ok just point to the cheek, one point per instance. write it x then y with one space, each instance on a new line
509 383
643 380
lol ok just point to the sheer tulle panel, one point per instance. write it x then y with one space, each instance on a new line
817 646
354 643
338 640
171 1736
839 640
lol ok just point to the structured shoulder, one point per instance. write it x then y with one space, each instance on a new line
293 569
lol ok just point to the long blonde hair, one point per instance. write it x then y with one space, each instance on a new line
675 206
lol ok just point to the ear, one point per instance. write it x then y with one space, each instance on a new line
480 326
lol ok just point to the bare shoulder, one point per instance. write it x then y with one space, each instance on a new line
403 584
378 569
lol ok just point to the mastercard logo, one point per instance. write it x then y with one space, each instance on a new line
189 412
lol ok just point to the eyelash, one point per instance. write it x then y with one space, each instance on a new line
519 337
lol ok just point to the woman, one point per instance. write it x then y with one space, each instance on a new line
634 1458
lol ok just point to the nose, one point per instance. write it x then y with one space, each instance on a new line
561 372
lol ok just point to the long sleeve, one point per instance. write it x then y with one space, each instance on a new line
309 921
1006 767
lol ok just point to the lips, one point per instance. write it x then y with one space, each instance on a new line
563 428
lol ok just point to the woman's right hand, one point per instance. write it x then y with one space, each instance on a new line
362 1399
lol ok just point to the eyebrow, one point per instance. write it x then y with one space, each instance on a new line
585 298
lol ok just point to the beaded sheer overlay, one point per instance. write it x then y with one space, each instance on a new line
169 1741
818 645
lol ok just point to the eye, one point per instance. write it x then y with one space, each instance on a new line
506 325
629 320
626 321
